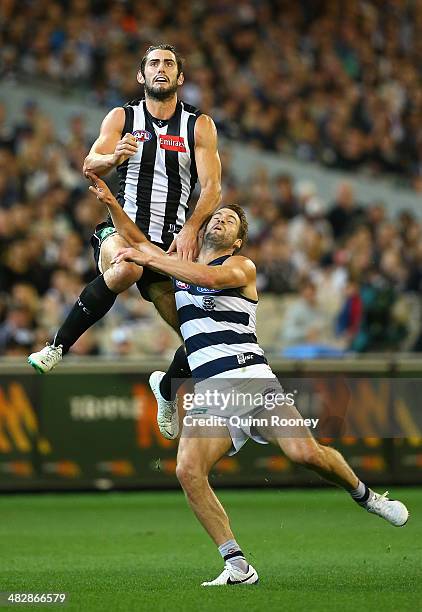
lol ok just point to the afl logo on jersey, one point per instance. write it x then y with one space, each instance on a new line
181 285
142 135
208 303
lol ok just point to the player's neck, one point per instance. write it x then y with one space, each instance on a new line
207 255
161 109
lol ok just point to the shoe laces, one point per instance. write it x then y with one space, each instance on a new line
379 501
169 409
51 352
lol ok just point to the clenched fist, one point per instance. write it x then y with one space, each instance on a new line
125 148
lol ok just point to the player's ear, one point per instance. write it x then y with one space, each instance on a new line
201 235
180 79
237 244
140 78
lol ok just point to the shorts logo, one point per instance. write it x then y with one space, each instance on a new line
142 135
172 143
107 231
208 303
181 285
242 358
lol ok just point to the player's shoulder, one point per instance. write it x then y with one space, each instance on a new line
189 108
135 102
245 262
205 131
114 119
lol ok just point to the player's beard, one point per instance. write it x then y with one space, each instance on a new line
216 241
160 94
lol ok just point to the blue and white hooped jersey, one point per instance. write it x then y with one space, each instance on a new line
218 328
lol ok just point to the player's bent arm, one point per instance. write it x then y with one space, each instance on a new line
103 156
209 171
234 273
123 224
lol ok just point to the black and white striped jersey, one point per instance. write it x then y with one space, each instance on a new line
157 182
218 328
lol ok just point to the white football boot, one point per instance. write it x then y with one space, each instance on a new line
393 511
231 575
167 414
47 358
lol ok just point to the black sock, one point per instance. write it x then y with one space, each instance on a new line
93 303
178 369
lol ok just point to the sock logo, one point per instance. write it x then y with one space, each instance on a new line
86 311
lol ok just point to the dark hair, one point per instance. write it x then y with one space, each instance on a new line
163 47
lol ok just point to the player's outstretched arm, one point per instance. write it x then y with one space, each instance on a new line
236 272
123 224
209 173
110 149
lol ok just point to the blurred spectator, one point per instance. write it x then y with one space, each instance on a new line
17 330
305 322
285 199
345 213
349 319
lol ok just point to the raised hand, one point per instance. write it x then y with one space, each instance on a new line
125 148
99 188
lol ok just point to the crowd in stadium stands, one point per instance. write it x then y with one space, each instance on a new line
326 80
331 81
346 276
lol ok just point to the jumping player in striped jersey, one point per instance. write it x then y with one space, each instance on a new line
160 147
216 299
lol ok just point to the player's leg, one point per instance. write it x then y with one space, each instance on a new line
165 385
300 446
94 302
161 294
199 450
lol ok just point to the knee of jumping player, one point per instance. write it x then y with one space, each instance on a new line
190 475
121 276
306 452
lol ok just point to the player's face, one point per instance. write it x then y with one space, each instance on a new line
161 80
222 229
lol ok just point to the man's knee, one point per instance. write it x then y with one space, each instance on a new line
121 276
306 453
189 474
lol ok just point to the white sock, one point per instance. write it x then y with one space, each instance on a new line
231 553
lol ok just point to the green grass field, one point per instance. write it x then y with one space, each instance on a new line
313 549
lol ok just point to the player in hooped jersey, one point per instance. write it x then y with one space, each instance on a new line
160 147
216 299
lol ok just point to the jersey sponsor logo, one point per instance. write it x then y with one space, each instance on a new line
181 285
172 143
206 290
208 303
142 135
